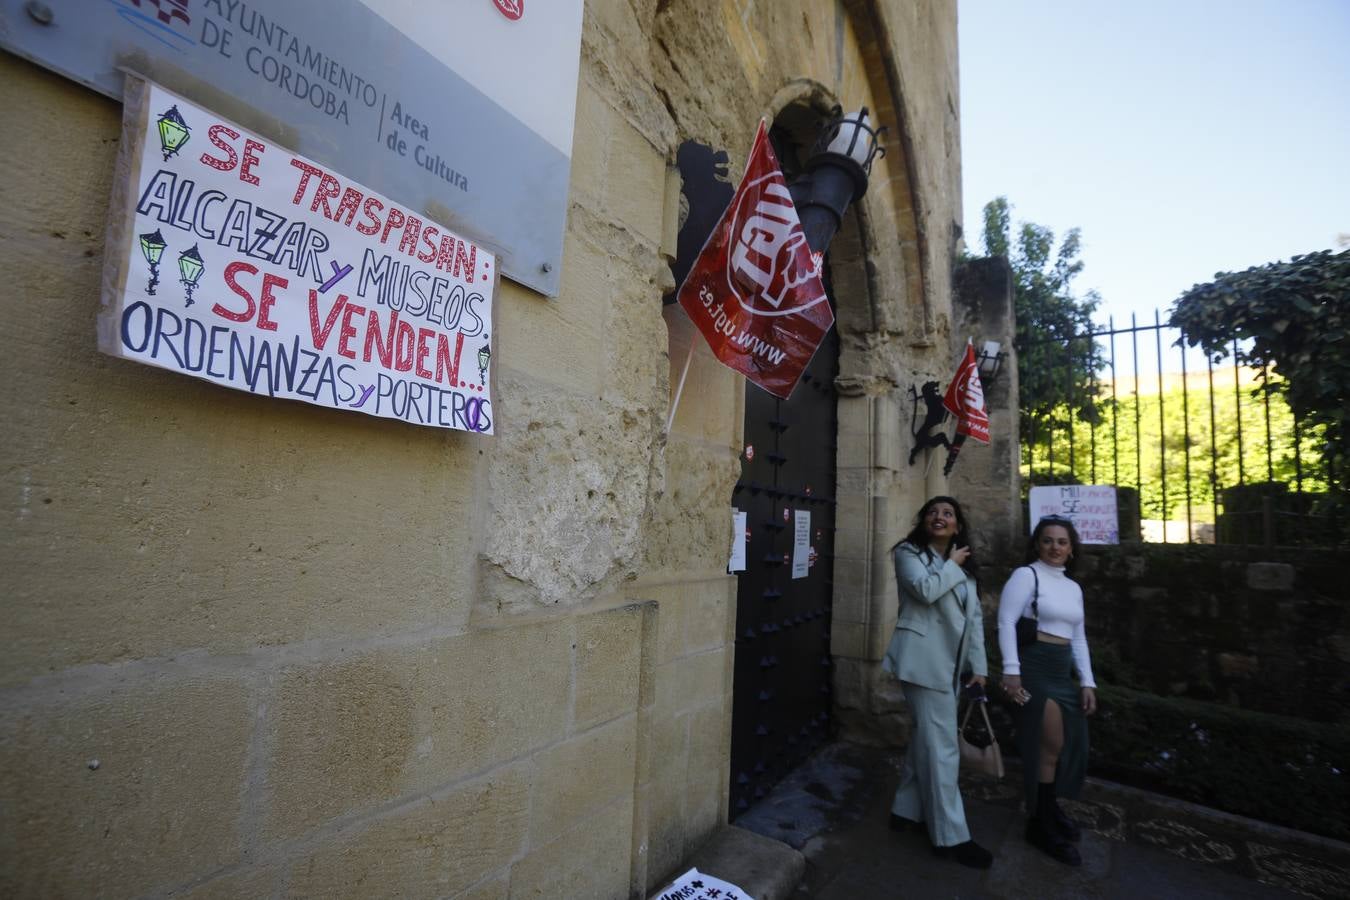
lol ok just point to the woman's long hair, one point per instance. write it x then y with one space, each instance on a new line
918 536
1033 544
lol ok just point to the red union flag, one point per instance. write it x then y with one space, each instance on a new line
755 291
965 399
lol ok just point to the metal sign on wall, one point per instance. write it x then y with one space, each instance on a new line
463 112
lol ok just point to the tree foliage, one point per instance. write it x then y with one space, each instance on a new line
1056 362
1292 317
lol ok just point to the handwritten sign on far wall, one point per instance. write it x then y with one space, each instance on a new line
1091 507
233 260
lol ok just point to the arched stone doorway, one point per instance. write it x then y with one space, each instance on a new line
783 685
889 272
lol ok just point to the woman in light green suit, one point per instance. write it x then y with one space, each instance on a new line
938 635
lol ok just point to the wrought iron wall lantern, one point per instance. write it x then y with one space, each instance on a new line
990 361
836 174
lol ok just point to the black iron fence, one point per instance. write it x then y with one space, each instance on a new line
1200 450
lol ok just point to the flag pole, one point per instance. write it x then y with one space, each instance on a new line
679 390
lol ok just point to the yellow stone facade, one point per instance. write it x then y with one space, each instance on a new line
245 654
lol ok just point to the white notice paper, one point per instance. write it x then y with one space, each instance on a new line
737 563
801 543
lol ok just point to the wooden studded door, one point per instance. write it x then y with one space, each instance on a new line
782 690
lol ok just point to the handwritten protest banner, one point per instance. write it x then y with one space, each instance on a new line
1091 508
233 260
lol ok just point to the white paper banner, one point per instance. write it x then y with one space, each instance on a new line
236 261
694 885
801 543
1091 508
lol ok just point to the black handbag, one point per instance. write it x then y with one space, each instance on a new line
985 760
1028 625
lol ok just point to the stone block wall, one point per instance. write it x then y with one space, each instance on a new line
1264 630
256 648
425 766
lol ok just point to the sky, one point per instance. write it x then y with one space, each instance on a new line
1184 138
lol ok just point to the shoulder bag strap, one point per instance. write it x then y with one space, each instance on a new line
987 724
1036 594
970 708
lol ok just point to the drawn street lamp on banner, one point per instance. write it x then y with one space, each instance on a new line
484 357
173 132
190 269
152 248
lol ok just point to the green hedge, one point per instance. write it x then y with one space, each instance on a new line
1282 770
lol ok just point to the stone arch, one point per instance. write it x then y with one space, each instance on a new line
720 66
883 315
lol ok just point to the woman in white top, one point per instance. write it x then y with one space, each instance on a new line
1052 733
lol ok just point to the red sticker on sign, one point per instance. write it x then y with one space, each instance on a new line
512 9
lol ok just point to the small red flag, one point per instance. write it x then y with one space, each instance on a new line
755 291
965 399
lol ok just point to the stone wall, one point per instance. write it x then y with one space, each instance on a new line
1267 631
256 647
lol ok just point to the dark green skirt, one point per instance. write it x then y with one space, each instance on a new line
1047 673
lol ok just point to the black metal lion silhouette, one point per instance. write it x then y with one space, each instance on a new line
935 414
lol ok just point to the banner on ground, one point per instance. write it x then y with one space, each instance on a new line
696 885
233 260
755 291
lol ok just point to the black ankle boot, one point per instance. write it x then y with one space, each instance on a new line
969 854
1055 845
900 823
1049 812
1066 826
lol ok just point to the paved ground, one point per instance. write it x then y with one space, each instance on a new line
1135 844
